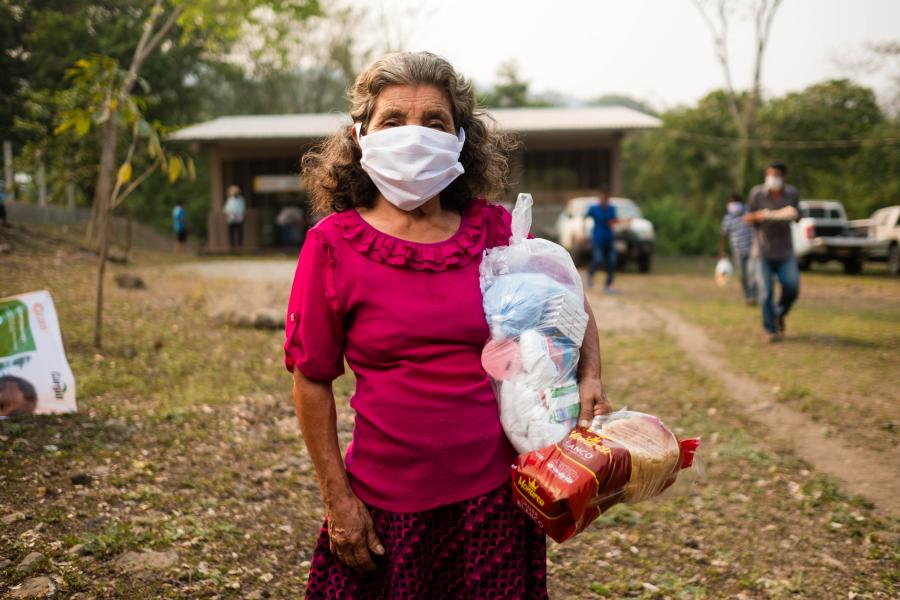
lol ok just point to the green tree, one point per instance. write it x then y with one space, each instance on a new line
510 90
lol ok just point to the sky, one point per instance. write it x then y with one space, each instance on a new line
660 51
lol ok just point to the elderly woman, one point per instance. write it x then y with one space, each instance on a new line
421 506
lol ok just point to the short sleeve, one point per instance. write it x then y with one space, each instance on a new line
501 222
723 230
314 324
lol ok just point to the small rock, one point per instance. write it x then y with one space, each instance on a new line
280 468
254 595
147 560
117 256
51 448
36 587
5 564
650 587
75 550
81 479
268 318
831 561
13 518
129 281
5 248
31 562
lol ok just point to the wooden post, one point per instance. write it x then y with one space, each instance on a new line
8 171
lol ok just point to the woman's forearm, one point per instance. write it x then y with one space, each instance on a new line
318 422
589 364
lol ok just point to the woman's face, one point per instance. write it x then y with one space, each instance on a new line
423 105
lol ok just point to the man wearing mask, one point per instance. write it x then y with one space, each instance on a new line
603 249
740 235
771 208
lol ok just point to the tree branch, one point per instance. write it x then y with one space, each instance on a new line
162 32
720 42
134 184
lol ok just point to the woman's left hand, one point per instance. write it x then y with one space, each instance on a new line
593 400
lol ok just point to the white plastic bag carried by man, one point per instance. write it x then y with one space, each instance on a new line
35 377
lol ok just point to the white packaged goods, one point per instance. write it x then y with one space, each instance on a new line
35 377
534 305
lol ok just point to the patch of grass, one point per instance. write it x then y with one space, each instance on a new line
843 340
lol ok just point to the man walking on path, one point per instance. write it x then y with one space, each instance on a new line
603 249
235 209
771 208
741 237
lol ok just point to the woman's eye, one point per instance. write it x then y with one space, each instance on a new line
437 125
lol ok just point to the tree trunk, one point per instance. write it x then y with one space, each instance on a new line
101 271
109 140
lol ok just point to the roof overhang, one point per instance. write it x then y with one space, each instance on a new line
537 122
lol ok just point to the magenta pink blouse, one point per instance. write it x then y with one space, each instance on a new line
409 320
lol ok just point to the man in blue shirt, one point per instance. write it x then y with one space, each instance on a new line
603 250
179 224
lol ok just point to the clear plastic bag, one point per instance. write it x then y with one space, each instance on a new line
724 272
534 305
624 456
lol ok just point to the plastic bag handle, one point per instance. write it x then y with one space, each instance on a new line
521 218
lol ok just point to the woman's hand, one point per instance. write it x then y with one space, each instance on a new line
593 400
351 534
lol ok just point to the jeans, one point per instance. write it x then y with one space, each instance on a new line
748 266
236 235
789 276
603 254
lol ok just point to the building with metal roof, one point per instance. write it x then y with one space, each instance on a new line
566 152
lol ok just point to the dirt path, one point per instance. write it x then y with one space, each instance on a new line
863 472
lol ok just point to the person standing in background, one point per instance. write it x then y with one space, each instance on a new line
740 235
3 221
235 209
179 225
603 249
771 208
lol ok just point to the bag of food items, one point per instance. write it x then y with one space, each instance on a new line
534 304
624 456
724 271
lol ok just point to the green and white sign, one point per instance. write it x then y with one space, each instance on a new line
35 377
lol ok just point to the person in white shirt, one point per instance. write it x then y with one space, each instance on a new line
235 208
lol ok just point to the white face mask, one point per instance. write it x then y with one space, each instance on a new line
774 182
411 164
735 208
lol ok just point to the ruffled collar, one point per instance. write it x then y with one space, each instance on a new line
464 246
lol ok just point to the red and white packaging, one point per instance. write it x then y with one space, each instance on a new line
624 457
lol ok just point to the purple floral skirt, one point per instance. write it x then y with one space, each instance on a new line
483 547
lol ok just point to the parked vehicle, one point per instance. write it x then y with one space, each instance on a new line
823 233
883 228
634 236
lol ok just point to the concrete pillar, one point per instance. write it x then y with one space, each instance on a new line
615 167
41 180
70 196
217 228
8 171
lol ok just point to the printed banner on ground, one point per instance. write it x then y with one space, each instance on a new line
35 377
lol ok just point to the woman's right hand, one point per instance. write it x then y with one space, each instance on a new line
351 534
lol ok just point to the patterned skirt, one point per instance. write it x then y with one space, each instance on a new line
483 547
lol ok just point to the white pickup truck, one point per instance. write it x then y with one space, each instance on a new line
823 234
883 229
